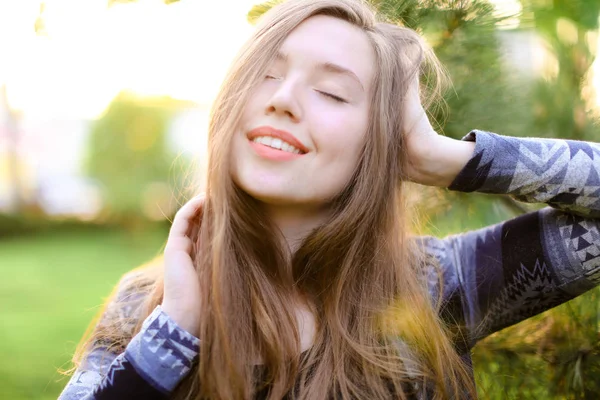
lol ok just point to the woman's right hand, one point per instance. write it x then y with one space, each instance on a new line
181 299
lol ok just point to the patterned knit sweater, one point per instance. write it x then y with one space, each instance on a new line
493 277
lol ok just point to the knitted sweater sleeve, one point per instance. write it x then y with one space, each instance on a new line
152 364
499 275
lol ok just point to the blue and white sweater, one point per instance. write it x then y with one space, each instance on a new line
493 277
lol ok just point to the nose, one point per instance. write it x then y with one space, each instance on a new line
284 102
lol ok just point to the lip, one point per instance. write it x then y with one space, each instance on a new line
277 133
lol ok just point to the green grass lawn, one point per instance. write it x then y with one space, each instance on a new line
51 287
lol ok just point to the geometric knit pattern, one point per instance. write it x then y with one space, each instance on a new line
162 350
564 174
491 278
124 382
121 382
527 265
576 242
153 363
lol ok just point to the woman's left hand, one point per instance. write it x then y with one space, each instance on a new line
433 159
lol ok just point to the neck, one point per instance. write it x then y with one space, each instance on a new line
295 223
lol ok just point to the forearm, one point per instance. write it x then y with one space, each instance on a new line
441 161
565 174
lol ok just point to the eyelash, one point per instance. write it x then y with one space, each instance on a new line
331 96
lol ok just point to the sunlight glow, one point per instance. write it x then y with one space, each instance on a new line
510 10
88 52
595 76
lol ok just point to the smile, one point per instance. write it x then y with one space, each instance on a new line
276 143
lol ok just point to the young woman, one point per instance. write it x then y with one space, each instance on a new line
296 276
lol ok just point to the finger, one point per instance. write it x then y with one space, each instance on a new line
178 246
182 219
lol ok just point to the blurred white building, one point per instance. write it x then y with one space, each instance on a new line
50 155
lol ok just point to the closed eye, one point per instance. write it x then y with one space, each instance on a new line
329 95
332 96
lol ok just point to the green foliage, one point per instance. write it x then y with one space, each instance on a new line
259 9
568 28
13 225
128 154
554 355
485 93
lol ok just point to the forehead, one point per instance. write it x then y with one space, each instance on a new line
325 39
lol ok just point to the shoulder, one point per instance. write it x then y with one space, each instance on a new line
138 282
131 301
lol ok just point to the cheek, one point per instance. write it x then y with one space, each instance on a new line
251 108
343 134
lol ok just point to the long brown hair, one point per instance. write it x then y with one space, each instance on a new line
377 327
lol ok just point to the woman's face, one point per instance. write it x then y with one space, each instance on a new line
302 129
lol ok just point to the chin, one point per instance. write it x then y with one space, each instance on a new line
275 196
278 190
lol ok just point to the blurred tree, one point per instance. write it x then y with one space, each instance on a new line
570 29
129 156
487 94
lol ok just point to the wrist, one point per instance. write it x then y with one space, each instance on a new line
181 318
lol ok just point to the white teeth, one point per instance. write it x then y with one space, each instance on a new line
276 143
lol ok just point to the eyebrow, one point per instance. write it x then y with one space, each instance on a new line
328 67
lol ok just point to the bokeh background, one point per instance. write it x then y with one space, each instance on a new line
103 114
